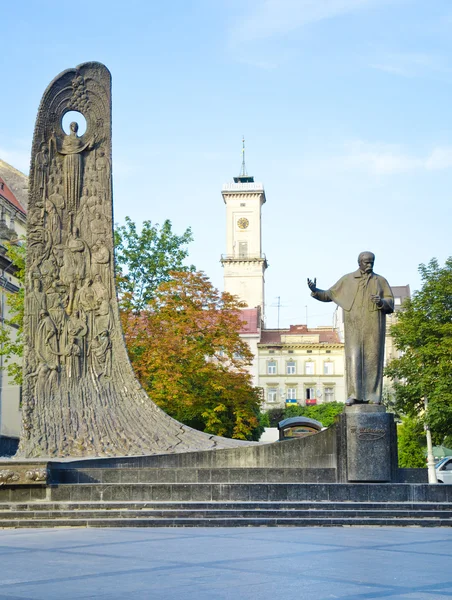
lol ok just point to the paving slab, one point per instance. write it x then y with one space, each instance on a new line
226 564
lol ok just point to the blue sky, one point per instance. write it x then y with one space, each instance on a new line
345 106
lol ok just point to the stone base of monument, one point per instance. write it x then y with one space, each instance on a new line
292 483
367 445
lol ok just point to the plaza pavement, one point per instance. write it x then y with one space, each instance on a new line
226 563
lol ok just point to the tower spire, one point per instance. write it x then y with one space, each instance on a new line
243 177
243 172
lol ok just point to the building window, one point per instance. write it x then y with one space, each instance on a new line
291 393
289 351
328 393
309 393
308 351
272 394
290 367
327 351
328 368
271 367
309 368
271 351
397 301
243 249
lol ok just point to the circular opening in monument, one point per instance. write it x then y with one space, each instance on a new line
73 116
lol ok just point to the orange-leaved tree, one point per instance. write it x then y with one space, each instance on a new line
187 353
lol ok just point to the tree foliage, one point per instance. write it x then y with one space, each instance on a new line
325 413
11 331
411 443
423 335
145 259
187 353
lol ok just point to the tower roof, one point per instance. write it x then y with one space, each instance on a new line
243 177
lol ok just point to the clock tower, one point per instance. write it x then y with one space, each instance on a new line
244 263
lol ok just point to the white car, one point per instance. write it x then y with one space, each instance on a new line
444 470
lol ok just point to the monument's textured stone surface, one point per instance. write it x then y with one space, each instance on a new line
80 395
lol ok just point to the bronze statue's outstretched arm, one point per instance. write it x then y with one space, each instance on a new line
322 295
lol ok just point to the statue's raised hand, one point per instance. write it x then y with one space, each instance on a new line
312 284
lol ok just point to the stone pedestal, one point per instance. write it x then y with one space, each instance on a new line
367 445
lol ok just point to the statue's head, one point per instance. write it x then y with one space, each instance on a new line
74 127
366 261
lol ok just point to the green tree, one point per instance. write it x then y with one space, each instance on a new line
423 335
325 413
11 331
187 353
145 259
411 443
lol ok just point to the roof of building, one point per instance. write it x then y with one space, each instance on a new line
327 335
16 181
8 195
400 291
250 318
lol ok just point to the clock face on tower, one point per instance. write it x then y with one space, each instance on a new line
243 223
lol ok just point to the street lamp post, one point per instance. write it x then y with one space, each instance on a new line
430 458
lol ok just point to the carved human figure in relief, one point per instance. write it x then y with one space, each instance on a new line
71 148
76 263
35 303
100 354
100 265
57 199
73 355
98 226
103 170
57 302
47 340
41 168
53 220
76 328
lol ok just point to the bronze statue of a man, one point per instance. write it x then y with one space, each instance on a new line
366 299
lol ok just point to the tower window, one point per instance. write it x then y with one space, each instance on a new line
243 249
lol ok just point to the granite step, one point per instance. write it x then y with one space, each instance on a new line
237 521
242 506
153 513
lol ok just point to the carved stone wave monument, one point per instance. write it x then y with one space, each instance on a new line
80 395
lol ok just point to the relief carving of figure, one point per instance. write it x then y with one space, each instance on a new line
76 264
49 271
53 221
100 259
98 226
87 303
57 199
103 170
100 353
35 303
46 379
76 328
73 355
71 148
41 168
47 341
57 302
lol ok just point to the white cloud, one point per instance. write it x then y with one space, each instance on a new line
380 159
411 64
277 17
